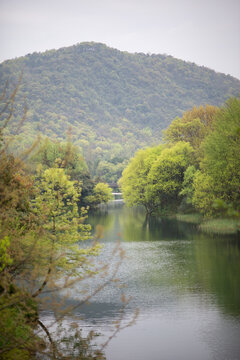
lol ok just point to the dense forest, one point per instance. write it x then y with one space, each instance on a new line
111 102
196 168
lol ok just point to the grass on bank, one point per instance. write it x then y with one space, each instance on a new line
221 226
212 226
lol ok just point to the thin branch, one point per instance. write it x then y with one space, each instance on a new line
53 346
37 292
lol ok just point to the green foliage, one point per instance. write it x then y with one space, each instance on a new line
56 205
17 324
167 175
5 258
187 186
108 99
203 197
192 127
64 155
109 172
199 166
15 187
38 254
222 149
220 177
154 177
220 226
103 192
40 234
134 181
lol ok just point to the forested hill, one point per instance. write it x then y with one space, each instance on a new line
114 101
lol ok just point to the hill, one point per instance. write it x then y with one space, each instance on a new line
113 101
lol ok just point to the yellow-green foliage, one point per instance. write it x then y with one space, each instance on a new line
193 127
220 168
5 258
18 316
188 190
199 166
39 255
56 204
64 155
203 196
40 234
134 181
167 173
103 193
154 176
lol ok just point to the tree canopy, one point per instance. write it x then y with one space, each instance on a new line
192 127
198 167
167 174
220 166
134 181
112 102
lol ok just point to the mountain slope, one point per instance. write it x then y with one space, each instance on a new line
114 101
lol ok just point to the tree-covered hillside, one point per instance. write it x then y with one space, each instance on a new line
114 102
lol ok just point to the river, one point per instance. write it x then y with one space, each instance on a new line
185 284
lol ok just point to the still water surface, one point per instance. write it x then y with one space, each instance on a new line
185 284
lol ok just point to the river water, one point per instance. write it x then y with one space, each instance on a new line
185 284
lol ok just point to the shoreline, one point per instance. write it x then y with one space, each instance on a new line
223 226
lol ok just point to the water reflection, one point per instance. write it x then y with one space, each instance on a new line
133 225
218 268
185 283
180 255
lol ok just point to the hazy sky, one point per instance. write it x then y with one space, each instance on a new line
206 32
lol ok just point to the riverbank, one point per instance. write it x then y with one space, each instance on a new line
223 226
184 282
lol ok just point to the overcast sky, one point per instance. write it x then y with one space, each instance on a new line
206 32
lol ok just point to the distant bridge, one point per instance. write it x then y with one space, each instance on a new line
117 196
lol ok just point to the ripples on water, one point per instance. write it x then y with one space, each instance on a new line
185 284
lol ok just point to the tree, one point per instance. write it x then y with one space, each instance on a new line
187 187
220 166
134 181
31 247
63 228
62 155
194 125
166 175
18 234
40 250
66 156
102 193
203 196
